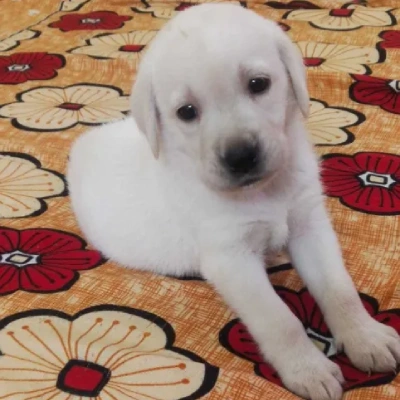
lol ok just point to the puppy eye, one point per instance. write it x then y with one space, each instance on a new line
259 85
187 112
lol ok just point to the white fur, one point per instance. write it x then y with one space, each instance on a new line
150 194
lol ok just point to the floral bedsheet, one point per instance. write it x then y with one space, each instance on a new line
76 326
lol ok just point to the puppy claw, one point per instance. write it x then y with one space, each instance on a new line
314 377
372 346
337 373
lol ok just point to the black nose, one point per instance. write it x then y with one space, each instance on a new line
242 158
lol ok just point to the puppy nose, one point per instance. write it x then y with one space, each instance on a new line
241 158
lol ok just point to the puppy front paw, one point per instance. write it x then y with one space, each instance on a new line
371 346
313 377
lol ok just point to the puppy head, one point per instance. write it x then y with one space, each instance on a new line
216 86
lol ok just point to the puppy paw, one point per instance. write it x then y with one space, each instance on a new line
313 377
372 346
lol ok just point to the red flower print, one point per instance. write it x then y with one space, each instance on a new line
42 260
367 182
104 20
293 5
391 40
384 93
235 338
22 67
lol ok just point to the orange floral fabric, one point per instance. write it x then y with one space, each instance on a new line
74 325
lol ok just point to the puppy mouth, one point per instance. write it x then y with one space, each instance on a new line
257 181
250 181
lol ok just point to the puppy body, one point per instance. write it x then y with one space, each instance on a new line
149 214
155 191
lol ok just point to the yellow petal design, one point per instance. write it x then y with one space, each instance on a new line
14 40
326 125
164 371
88 94
53 109
23 184
339 58
112 46
38 349
157 11
72 5
166 11
358 16
48 95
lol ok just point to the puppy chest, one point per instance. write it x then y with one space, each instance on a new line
268 236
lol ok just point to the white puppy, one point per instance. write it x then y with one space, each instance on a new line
213 171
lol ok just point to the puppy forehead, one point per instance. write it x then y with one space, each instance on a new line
223 42
213 27
206 15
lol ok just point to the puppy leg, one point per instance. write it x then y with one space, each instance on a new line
316 254
239 276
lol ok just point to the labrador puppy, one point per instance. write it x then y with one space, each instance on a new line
212 171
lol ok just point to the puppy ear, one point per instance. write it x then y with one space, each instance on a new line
144 108
293 60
